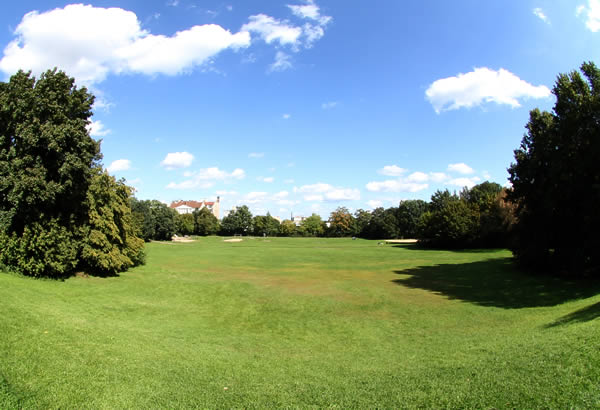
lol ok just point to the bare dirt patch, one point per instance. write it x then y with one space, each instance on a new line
232 240
401 241
182 239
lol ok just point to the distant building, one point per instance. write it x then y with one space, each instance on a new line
187 207
297 220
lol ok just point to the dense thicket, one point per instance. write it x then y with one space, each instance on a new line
556 179
56 206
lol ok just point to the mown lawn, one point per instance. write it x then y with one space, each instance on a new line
301 323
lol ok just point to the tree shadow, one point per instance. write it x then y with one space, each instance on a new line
585 314
496 282
420 247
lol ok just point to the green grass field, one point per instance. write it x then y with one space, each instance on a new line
301 323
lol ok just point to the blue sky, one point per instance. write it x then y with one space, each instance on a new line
302 106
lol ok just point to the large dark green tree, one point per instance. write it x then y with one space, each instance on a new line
556 179
205 222
237 222
155 220
51 221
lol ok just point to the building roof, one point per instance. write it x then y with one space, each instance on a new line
191 204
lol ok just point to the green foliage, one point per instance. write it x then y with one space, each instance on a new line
237 222
45 248
451 222
313 226
46 153
341 223
556 179
382 224
287 228
362 219
205 222
110 242
155 220
185 224
265 225
58 212
408 215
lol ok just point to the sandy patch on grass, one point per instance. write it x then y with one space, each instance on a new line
401 241
232 240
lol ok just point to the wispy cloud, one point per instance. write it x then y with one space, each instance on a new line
539 13
329 105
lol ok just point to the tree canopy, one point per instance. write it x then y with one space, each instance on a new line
58 210
556 179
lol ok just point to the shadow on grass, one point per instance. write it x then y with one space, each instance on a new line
419 247
496 282
585 314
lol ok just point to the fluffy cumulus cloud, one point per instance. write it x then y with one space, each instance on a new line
326 192
119 165
461 168
76 39
482 85
96 129
206 178
175 160
591 12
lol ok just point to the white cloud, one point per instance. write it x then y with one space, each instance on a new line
288 181
281 195
272 30
374 204
76 39
461 168
268 179
119 165
392 170
282 62
539 13
438 177
325 192
310 11
173 3
254 197
205 178
177 160
592 13
256 155
462 182
96 129
343 194
396 186
190 184
480 86
418 177
286 116
329 105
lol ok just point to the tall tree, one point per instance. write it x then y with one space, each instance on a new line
58 211
556 179
313 225
205 222
408 215
341 223
238 222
